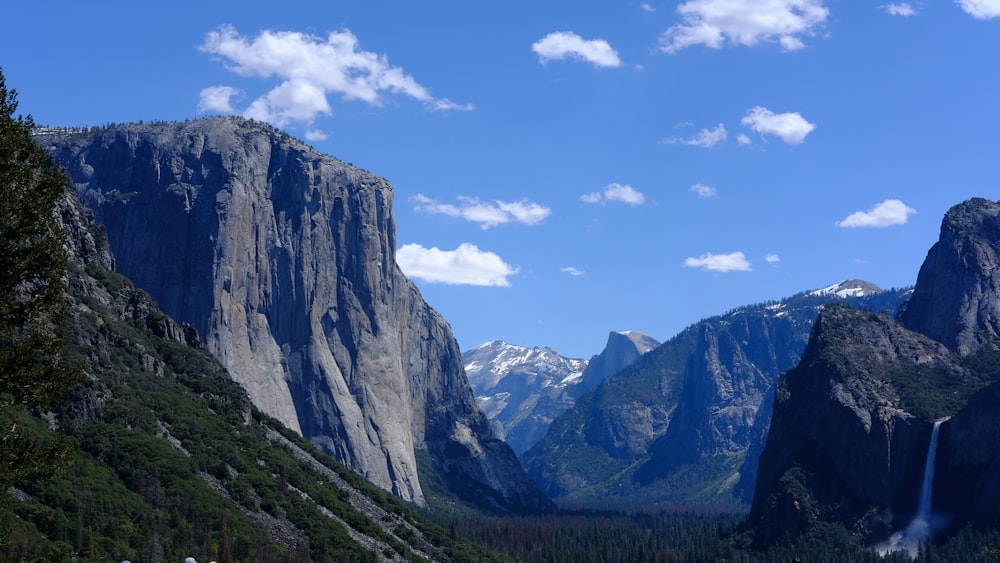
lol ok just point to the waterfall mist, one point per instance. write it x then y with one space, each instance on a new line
925 523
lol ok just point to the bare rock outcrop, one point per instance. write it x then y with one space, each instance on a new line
851 423
957 297
283 260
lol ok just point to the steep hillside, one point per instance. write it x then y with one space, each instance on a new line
171 460
283 259
676 425
851 428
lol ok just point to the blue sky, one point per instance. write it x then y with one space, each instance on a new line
564 169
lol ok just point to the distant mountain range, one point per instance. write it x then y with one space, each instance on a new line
683 423
523 389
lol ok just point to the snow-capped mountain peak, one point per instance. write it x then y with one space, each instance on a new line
849 288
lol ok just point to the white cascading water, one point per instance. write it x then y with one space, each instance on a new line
919 530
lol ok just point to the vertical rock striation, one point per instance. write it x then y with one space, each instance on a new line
283 259
957 297
852 421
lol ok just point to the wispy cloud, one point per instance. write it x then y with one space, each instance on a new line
732 262
486 213
886 214
772 258
980 9
616 192
905 10
702 190
706 138
713 23
566 44
742 139
308 68
466 265
572 271
790 127
647 7
315 135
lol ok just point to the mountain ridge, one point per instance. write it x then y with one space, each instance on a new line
523 389
676 426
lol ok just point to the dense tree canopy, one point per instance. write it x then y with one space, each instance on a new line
33 265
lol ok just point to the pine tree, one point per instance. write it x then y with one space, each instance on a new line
33 264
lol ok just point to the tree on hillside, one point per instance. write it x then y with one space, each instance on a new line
33 264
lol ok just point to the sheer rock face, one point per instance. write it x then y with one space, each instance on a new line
957 297
841 445
283 259
622 349
851 423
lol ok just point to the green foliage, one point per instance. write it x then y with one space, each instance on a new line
170 459
672 536
32 307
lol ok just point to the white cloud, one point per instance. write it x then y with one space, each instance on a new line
315 135
217 98
905 10
732 262
714 22
309 68
448 105
646 7
886 214
487 214
702 190
292 100
616 192
790 127
466 265
706 138
980 9
772 258
743 139
566 44
572 271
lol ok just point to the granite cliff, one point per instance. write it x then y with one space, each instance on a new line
851 423
622 349
283 260
161 456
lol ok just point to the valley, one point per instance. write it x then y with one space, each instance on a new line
254 378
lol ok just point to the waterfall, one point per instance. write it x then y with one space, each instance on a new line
927 491
918 531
